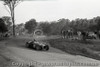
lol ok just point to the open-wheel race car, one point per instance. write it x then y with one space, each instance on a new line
37 45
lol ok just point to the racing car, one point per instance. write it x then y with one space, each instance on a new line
37 45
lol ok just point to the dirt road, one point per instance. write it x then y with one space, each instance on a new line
53 57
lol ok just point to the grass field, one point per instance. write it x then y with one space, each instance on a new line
88 48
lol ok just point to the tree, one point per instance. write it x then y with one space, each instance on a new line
58 26
45 27
80 24
97 20
7 21
3 27
11 4
20 28
31 25
95 24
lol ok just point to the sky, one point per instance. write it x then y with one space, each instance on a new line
53 10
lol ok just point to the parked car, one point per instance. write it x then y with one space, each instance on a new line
91 35
37 45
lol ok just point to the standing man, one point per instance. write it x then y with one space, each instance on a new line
63 33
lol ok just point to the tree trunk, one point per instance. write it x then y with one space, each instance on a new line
13 26
13 20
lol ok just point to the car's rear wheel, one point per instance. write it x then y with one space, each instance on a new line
46 47
27 45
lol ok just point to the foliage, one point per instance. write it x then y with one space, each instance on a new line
11 4
31 25
20 29
7 21
45 27
79 24
55 27
3 27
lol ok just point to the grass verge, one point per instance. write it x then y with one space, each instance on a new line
77 47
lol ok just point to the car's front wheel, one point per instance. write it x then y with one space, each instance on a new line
46 47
